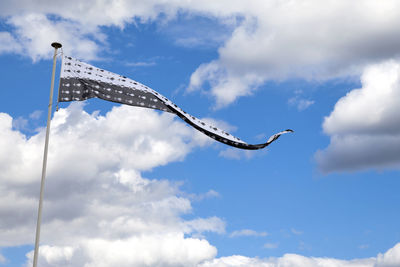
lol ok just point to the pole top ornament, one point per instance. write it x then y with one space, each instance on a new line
56 45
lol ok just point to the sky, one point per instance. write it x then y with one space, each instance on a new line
129 186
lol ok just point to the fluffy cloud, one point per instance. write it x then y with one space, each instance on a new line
150 250
98 209
300 103
270 39
247 232
389 259
270 245
36 114
364 125
288 260
77 25
199 197
300 39
103 253
2 259
35 32
8 44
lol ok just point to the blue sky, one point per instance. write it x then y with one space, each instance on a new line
134 187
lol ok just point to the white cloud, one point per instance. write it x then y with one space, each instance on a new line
141 64
26 124
213 224
100 211
296 232
35 33
53 256
287 260
3 259
98 207
20 123
270 245
77 25
247 232
299 39
170 249
272 40
389 259
8 44
225 87
300 103
199 197
36 114
116 253
364 125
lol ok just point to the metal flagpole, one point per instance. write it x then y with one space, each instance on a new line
46 146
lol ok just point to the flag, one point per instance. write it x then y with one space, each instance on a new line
80 81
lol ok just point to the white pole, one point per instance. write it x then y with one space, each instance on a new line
46 146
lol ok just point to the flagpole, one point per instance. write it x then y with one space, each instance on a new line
46 146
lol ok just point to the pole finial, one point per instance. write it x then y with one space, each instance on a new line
56 45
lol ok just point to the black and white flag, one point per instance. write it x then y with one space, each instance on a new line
80 81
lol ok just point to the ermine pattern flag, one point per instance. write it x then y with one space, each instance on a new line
80 81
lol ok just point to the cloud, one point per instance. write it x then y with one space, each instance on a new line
300 103
80 26
199 197
247 232
98 207
100 211
119 253
170 249
274 40
141 64
389 259
35 32
225 87
213 224
281 40
3 260
20 123
292 260
36 114
364 125
8 44
26 124
270 245
295 231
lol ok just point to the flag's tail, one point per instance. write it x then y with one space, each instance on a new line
276 136
219 135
